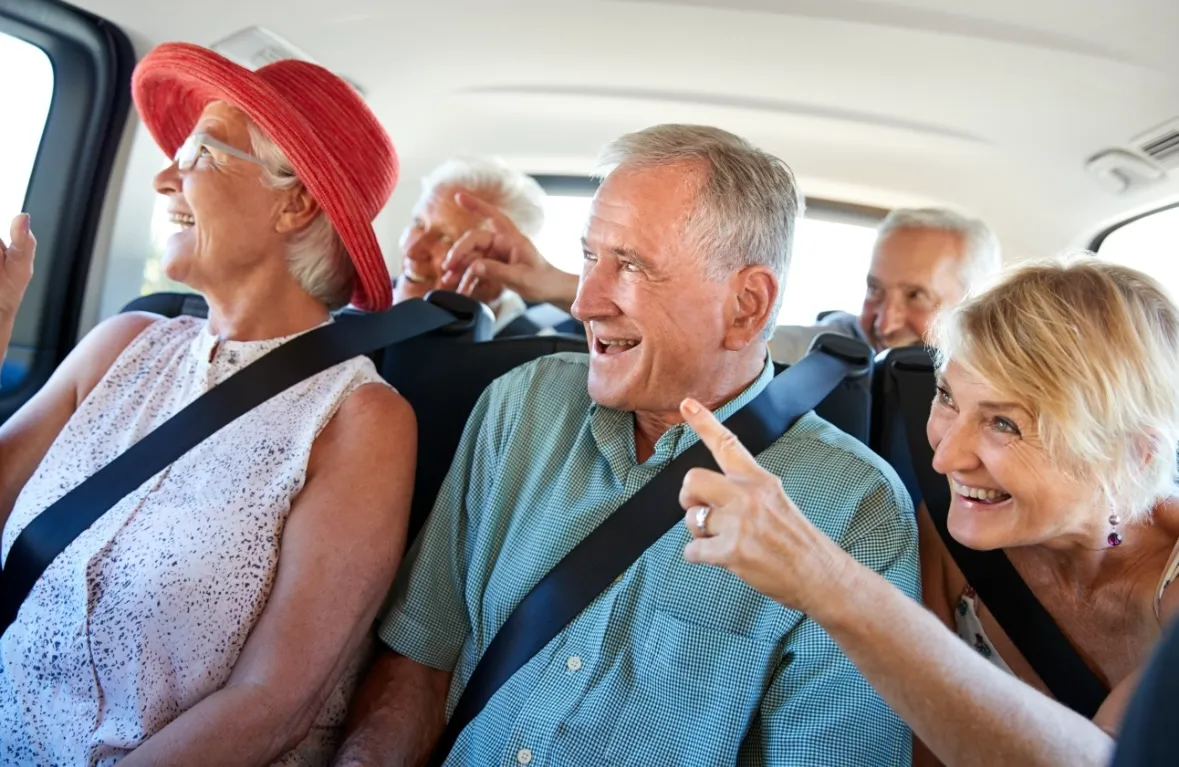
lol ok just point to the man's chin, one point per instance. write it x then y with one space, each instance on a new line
608 393
897 343
406 288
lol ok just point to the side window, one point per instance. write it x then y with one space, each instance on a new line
65 74
1149 244
831 256
829 242
27 78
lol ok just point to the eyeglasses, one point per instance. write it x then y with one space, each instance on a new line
190 151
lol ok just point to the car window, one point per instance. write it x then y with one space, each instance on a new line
826 271
26 80
1149 244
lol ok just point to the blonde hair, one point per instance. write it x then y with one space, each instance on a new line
1092 350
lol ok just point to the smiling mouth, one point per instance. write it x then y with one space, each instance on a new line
183 220
614 347
410 271
984 496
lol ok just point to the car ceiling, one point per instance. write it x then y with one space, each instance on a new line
993 108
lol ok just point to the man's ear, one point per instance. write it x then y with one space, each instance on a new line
299 209
754 291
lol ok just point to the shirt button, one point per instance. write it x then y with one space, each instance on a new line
524 756
573 664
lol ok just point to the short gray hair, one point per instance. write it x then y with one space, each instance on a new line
982 257
517 194
747 207
316 255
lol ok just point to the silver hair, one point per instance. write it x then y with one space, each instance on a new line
747 207
982 257
517 194
316 255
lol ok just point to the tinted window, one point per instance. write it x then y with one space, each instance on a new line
1149 244
26 80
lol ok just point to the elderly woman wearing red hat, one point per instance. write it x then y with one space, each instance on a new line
219 612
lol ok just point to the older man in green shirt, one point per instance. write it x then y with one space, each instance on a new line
674 664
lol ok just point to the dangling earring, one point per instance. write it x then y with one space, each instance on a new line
1115 538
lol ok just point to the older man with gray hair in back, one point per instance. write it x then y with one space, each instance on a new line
673 663
923 260
456 199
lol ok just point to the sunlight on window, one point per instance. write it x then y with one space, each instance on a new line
26 80
564 223
828 270
1150 245
826 273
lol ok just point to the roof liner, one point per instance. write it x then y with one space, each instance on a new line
993 108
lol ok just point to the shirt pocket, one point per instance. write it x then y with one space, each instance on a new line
696 689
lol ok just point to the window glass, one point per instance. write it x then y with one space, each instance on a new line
826 272
1149 244
26 80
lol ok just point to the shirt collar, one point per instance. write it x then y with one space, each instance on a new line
614 430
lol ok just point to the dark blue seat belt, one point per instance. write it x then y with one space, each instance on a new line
299 359
633 527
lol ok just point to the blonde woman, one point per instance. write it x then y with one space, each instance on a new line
1056 424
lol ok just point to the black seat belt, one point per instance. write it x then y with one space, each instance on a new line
990 573
612 547
56 527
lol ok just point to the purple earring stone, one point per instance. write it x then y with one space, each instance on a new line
1114 538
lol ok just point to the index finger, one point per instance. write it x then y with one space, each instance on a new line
731 456
471 246
471 203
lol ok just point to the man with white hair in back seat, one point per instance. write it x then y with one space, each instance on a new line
447 209
686 248
924 259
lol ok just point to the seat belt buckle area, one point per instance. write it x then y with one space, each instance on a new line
857 354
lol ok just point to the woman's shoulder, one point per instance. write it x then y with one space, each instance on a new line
101 348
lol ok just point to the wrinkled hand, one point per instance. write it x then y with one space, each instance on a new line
16 266
485 261
753 529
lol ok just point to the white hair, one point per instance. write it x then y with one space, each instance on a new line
517 194
316 255
747 207
982 257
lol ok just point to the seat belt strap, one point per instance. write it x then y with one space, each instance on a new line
55 528
611 548
990 573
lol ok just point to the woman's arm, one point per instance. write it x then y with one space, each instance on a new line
26 437
963 708
340 550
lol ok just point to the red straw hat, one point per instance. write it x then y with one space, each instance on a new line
334 142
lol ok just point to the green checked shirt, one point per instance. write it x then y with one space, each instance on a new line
674 664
